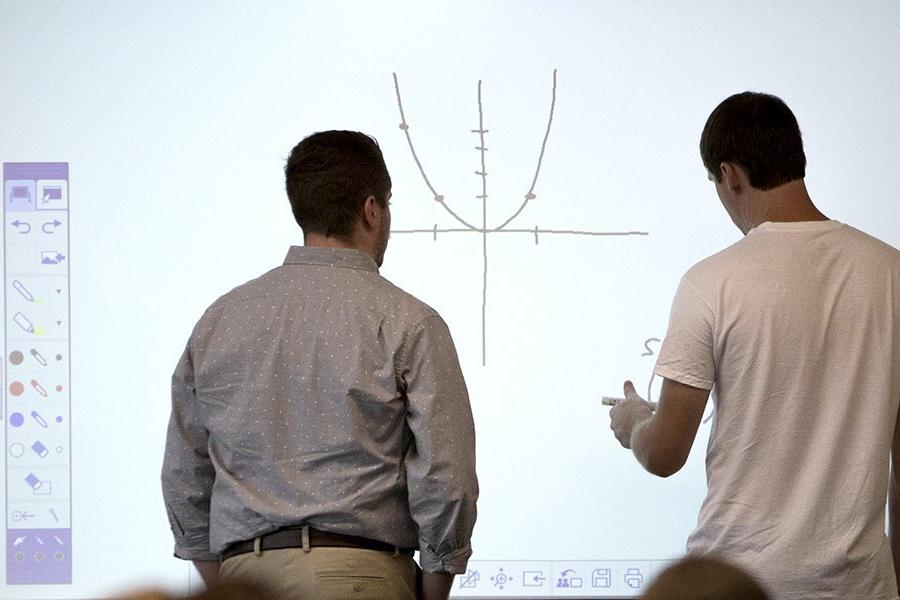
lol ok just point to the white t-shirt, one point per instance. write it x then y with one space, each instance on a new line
798 328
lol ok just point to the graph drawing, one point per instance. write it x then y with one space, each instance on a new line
483 230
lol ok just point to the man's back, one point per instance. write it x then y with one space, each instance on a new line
801 325
311 384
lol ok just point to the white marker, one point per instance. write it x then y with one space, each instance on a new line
612 401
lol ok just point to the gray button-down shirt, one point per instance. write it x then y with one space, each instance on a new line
322 394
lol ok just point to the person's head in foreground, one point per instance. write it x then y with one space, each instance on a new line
696 578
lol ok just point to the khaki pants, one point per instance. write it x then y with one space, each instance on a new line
326 573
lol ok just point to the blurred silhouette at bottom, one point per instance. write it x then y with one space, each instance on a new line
226 590
704 578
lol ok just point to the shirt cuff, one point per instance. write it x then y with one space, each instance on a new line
195 553
449 562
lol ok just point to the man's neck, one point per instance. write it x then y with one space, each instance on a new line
788 203
320 240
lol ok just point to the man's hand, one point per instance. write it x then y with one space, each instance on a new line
209 571
662 438
436 586
625 416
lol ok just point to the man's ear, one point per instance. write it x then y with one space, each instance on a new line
371 215
733 176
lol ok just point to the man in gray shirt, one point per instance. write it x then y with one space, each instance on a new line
321 428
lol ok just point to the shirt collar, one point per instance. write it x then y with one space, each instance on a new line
347 258
798 225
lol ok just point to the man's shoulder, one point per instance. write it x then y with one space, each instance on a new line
757 251
714 266
871 244
253 288
403 304
367 290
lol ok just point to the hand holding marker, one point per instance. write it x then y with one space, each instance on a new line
612 401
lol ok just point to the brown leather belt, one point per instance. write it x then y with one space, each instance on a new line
292 537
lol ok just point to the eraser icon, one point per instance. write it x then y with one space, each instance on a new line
40 449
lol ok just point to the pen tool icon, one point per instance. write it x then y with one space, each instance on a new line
39 419
20 287
38 357
38 388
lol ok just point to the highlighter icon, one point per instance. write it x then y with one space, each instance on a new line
24 322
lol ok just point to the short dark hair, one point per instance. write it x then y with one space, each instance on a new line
758 132
328 177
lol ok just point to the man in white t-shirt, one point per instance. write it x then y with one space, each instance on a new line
797 329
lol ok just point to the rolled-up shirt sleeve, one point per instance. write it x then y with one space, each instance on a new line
440 466
187 473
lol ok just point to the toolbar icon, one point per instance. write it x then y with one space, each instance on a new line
601 578
23 227
533 578
38 486
52 257
23 322
38 356
501 579
569 579
20 195
469 580
634 578
40 449
52 194
49 227
23 291
39 419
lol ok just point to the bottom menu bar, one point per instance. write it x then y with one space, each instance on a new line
573 579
